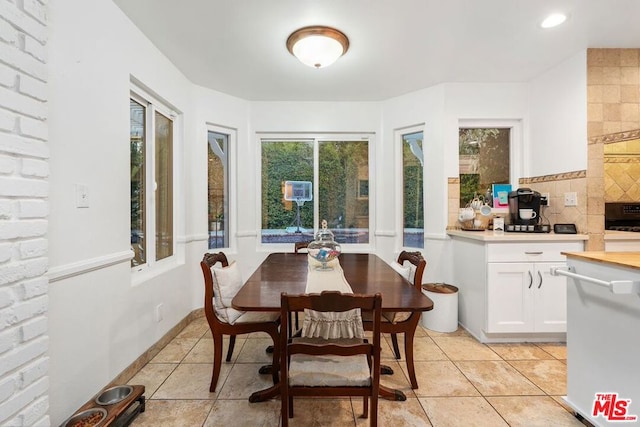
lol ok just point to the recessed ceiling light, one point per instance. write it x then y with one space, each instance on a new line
553 20
317 46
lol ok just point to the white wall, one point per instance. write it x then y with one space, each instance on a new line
24 168
99 320
558 131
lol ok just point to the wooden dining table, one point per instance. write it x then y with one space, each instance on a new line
366 274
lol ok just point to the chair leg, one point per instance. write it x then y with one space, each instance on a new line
275 362
217 361
396 349
232 343
408 352
365 407
297 325
373 421
289 326
290 406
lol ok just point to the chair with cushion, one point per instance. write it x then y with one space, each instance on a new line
348 365
404 322
221 283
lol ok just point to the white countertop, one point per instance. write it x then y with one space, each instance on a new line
621 235
489 236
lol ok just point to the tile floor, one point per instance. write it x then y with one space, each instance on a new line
462 383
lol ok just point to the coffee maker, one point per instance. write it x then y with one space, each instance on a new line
524 212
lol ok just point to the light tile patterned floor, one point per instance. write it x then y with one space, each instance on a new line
462 383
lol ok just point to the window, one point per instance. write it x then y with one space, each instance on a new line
152 178
412 189
338 169
484 155
218 141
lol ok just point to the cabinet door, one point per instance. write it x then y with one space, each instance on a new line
509 287
550 299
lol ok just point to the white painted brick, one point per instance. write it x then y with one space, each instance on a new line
7 297
33 288
8 33
22 229
33 128
22 61
7 120
22 311
33 87
6 209
28 269
34 371
23 354
20 187
32 248
34 328
35 9
5 255
19 145
22 399
35 168
23 21
33 209
34 48
8 76
35 415
26 105
7 165
9 339
8 386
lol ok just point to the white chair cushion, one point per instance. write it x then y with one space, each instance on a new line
329 370
258 316
396 316
227 281
405 272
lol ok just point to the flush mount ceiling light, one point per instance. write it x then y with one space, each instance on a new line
553 20
317 46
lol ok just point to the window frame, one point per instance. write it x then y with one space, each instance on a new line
152 105
399 134
316 139
231 187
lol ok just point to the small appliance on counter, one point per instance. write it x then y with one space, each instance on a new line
524 212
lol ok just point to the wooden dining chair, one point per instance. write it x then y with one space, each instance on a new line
245 323
331 367
404 322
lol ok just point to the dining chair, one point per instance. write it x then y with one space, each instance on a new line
314 366
228 321
404 322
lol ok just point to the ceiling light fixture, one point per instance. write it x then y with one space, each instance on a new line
317 46
553 20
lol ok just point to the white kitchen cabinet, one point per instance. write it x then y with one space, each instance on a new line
524 297
506 291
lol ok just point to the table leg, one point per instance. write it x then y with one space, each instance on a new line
388 393
386 370
266 394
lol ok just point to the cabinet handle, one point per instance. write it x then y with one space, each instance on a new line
530 279
533 253
540 276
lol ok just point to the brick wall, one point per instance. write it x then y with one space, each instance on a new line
24 171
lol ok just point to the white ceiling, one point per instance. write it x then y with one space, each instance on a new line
397 46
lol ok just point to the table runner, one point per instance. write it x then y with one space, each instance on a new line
330 325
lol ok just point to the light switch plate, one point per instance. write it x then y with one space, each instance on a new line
571 199
82 196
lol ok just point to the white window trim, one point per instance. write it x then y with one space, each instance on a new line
153 103
232 185
399 179
316 138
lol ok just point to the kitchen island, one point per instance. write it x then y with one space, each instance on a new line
603 336
506 291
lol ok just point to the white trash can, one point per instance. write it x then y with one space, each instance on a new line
444 316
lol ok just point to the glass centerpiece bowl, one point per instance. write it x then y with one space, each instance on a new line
324 249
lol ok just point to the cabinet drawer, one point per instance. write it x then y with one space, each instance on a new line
531 252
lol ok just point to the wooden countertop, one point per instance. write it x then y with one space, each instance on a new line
610 235
623 259
489 236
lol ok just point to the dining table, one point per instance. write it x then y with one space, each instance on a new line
366 273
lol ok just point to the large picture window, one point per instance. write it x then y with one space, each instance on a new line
338 170
218 141
151 168
413 189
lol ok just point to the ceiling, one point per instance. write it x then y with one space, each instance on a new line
396 46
